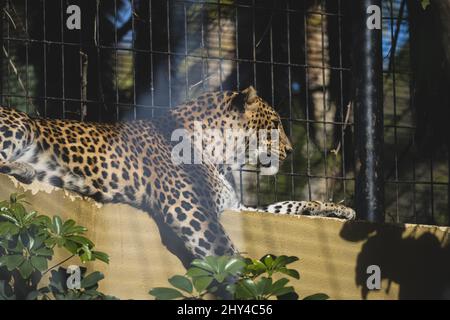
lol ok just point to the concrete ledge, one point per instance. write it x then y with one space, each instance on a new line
334 255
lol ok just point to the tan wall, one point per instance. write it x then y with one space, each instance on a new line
334 255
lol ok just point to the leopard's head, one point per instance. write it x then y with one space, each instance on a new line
215 115
259 116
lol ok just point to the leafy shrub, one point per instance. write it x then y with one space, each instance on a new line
27 244
242 278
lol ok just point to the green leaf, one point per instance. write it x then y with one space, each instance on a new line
277 285
220 277
26 269
85 253
17 249
100 256
39 263
28 240
291 259
257 267
222 263
30 216
81 240
8 229
57 224
234 266
182 283
213 262
12 261
92 279
264 286
42 221
77 230
202 283
70 246
58 280
280 290
282 261
44 252
202 264
19 212
197 272
268 261
10 218
246 289
290 272
317 296
38 241
67 225
288 296
166 293
284 291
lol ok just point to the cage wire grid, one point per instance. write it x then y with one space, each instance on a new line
134 59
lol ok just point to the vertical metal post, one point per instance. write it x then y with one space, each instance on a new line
368 111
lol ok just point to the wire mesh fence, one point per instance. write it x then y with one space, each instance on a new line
131 59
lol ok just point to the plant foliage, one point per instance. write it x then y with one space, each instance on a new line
27 245
240 278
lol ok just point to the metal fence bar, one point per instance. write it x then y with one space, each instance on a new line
368 114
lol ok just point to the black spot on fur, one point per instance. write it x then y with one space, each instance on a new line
185 205
56 181
220 251
200 252
181 216
97 196
198 215
209 236
19 135
195 224
202 243
186 230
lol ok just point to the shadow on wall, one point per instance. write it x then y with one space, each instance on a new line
419 262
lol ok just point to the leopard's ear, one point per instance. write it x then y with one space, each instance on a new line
250 95
245 99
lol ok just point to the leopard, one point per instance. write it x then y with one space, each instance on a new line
132 163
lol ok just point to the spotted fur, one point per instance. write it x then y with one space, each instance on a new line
310 208
131 163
